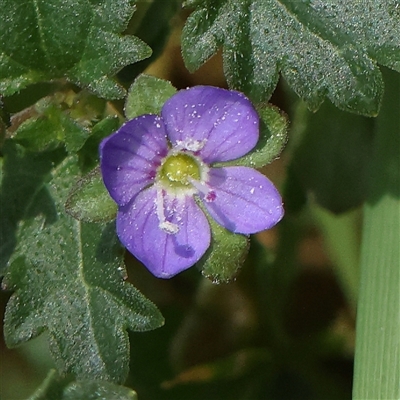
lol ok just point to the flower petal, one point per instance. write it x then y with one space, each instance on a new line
223 120
164 254
131 156
245 201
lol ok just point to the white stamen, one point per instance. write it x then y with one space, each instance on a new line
190 144
169 227
166 226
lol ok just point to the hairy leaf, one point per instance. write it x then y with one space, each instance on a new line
152 22
55 387
23 193
69 280
77 39
50 128
273 137
97 390
323 48
226 254
89 153
147 95
89 200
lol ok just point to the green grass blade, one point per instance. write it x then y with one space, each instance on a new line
377 362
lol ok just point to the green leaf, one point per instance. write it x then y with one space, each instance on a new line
226 254
89 200
341 235
89 153
67 118
152 22
191 3
51 388
273 137
332 158
50 128
89 390
377 366
76 39
69 280
27 199
323 49
147 95
56 388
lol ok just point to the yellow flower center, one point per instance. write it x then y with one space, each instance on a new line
178 170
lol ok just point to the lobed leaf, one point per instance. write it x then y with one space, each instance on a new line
89 200
76 39
57 388
147 95
50 128
322 48
69 280
97 390
27 199
89 153
66 119
153 23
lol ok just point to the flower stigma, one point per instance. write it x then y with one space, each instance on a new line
175 176
178 170
180 174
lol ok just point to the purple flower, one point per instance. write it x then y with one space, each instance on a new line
155 166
